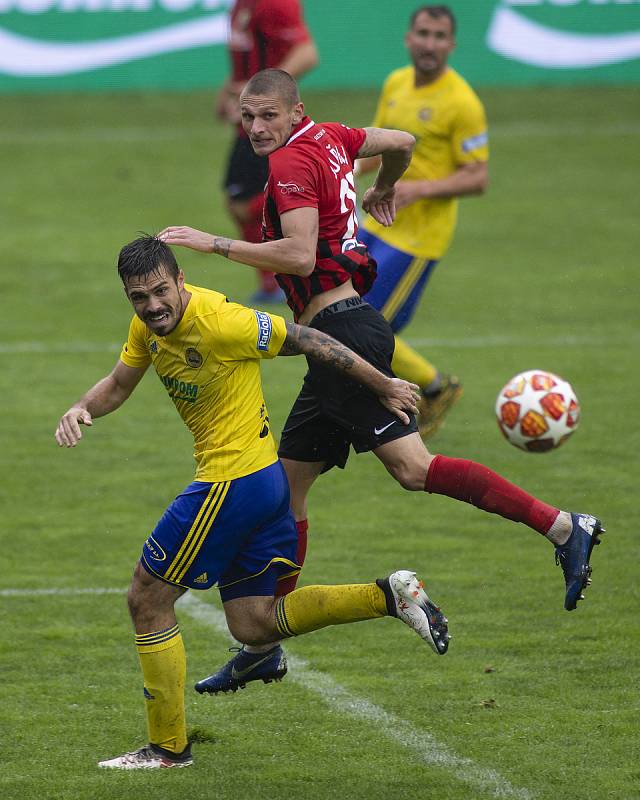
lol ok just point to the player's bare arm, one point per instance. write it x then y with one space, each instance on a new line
294 254
467 180
395 394
106 396
395 149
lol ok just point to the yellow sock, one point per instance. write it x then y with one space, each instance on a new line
411 366
314 607
164 668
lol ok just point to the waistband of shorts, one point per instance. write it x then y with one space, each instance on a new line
347 304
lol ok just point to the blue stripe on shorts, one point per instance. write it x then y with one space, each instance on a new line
400 281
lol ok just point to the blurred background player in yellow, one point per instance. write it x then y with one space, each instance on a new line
433 102
263 33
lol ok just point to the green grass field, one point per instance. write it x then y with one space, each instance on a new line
530 701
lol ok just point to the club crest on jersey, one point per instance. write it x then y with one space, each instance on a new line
193 357
153 347
264 330
289 188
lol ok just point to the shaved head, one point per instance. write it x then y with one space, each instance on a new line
273 83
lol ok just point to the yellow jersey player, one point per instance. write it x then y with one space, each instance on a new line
232 526
435 104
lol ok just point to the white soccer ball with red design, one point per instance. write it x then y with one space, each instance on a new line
537 411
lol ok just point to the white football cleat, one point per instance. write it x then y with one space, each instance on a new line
407 600
149 757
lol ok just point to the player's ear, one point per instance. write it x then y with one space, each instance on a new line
298 113
180 279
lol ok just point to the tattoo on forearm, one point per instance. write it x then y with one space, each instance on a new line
315 344
221 246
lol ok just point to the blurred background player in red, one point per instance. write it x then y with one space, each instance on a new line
263 33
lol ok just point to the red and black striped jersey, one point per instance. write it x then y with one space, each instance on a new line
315 169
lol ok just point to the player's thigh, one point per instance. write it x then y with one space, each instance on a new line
407 459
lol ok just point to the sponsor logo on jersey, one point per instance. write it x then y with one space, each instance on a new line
264 330
180 390
425 114
155 551
289 188
475 142
193 357
201 578
565 34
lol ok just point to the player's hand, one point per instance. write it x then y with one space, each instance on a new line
187 237
401 396
380 204
68 432
407 192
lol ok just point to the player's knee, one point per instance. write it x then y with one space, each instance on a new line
239 210
250 620
410 474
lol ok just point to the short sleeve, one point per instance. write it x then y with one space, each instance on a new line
470 136
292 182
135 352
239 333
282 20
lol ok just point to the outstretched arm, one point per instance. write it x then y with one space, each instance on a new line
294 254
103 398
395 394
395 149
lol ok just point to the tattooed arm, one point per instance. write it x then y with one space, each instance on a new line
395 394
395 149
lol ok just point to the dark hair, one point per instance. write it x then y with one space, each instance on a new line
145 255
273 82
435 12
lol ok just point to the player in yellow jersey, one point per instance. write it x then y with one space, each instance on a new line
232 526
434 103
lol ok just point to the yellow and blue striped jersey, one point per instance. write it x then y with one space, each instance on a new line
210 366
449 124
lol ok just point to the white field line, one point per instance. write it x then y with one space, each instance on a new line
466 342
134 134
423 744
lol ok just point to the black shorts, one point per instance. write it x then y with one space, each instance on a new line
333 412
247 173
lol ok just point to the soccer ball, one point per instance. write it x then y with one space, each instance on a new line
537 411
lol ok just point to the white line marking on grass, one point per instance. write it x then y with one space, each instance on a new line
466 342
421 742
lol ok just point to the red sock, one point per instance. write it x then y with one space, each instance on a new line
476 484
289 584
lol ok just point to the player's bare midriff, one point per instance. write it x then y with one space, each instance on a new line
320 301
